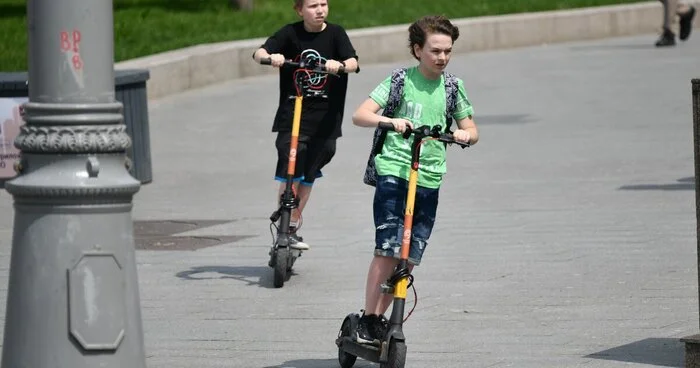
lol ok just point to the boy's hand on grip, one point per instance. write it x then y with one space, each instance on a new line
401 124
462 136
332 66
276 60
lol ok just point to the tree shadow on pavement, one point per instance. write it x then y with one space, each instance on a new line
662 352
681 184
504 119
321 363
251 275
613 47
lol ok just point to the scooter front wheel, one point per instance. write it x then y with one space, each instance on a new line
346 360
281 267
397 355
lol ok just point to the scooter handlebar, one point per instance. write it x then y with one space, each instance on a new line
425 131
298 65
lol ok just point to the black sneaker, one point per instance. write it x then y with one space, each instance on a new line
363 334
686 24
667 39
380 327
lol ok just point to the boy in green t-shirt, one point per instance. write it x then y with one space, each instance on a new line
423 103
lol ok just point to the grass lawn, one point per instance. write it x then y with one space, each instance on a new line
144 27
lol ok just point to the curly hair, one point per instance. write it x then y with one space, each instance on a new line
418 31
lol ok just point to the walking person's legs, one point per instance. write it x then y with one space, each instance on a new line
686 13
668 38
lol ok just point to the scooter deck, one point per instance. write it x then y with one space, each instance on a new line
365 351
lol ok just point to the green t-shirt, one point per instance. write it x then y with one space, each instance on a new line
423 103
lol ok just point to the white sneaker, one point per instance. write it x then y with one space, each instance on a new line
297 242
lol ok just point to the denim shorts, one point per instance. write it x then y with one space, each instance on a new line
389 208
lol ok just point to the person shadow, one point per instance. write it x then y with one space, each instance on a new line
261 276
321 363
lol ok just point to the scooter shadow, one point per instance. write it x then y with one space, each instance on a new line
261 276
321 363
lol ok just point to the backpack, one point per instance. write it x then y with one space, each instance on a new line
395 95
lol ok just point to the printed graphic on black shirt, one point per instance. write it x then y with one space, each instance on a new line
322 111
315 83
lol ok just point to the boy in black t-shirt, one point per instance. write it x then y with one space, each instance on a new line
324 101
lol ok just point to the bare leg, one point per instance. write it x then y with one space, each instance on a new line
385 300
668 37
303 192
281 190
379 270
670 10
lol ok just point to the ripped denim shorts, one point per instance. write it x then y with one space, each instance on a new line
389 208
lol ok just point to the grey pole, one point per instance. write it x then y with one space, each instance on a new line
73 298
692 343
696 143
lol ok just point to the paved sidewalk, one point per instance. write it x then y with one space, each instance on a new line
565 238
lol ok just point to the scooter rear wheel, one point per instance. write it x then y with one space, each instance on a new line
397 355
346 360
281 267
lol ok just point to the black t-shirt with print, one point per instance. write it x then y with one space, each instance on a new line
324 103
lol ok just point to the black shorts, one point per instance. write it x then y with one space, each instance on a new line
312 155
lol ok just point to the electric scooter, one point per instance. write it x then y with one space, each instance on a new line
391 350
282 256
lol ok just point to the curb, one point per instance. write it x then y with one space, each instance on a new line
198 66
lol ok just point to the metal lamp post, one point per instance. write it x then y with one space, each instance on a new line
73 298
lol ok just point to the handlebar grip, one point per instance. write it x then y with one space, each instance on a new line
342 70
266 61
385 125
450 139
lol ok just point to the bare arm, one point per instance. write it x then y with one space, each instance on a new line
467 131
350 65
261 53
366 116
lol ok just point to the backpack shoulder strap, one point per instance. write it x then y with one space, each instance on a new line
395 92
451 92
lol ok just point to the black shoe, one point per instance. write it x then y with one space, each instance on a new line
667 39
363 334
380 327
686 24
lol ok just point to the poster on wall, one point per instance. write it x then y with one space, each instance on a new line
10 122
